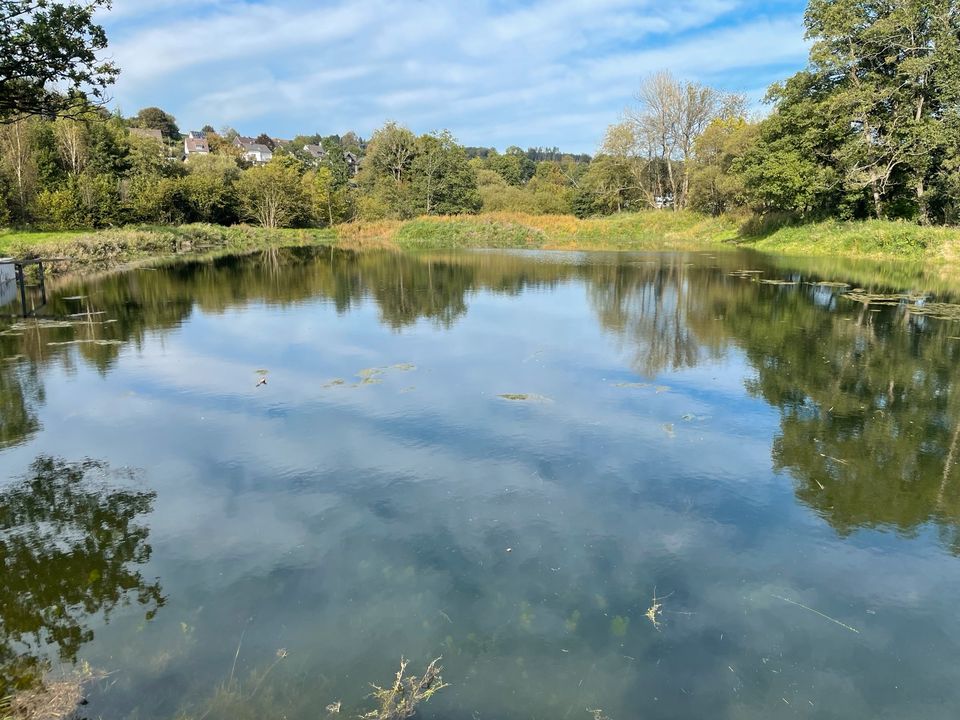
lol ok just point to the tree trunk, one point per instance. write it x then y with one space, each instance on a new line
877 207
922 202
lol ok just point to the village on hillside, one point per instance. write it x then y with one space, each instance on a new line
256 151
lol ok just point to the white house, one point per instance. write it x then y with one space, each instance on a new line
195 143
256 153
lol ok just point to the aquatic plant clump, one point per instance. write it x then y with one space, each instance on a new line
400 700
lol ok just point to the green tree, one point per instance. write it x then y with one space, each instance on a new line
153 118
444 183
870 127
270 194
18 165
328 200
49 58
885 64
715 187
790 169
390 154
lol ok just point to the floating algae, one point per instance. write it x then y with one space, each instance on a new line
632 385
779 282
525 397
373 375
335 383
914 304
85 342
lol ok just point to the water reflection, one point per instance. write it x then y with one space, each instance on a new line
69 547
868 400
697 425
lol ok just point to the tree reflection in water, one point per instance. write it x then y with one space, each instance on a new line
70 547
869 398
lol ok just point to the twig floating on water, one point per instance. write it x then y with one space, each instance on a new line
823 615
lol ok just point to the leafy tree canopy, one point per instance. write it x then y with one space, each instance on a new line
49 62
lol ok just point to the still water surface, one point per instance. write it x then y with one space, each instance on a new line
776 464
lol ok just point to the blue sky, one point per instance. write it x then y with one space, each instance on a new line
495 73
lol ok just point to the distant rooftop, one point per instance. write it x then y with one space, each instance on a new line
147 133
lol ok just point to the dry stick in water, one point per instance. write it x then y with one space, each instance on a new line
237 654
827 617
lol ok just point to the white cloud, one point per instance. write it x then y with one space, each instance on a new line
291 66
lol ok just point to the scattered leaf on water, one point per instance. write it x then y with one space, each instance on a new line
334 383
668 429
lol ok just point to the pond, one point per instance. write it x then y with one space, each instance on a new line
655 485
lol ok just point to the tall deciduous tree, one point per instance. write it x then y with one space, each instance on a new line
876 111
667 120
391 151
49 61
270 194
153 118
444 182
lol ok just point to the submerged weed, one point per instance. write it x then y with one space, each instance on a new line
399 701
619 626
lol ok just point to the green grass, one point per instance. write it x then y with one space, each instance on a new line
626 231
464 232
872 238
110 248
11 241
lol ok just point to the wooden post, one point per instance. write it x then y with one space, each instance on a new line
18 268
43 284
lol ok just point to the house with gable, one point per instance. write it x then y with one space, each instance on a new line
316 152
195 143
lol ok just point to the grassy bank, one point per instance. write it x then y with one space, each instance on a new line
106 249
651 230
628 231
868 239
881 240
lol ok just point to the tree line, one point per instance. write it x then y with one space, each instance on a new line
869 129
